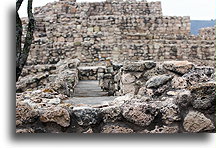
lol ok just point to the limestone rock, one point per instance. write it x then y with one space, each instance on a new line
157 81
139 112
86 116
180 67
56 114
197 122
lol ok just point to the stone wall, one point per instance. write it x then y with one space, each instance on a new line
207 33
61 77
108 7
90 72
168 97
68 32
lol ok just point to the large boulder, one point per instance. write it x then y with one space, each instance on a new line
55 114
86 116
179 67
139 112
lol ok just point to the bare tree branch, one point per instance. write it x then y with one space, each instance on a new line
18 4
18 38
23 55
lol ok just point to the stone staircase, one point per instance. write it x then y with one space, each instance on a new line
89 93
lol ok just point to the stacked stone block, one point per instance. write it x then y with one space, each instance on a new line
91 38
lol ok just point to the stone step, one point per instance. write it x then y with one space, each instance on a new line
89 88
90 100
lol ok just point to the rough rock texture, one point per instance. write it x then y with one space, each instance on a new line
156 81
180 67
169 110
111 114
25 114
162 101
86 116
61 77
197 122
163 130
203 95
57 115
140 32
139 113
115 129
25 130
75 41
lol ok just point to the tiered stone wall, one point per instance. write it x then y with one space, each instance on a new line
94 32
108 7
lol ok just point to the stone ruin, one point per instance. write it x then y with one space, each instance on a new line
163 77
117 30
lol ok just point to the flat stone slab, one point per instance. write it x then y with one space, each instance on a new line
88 92
90 100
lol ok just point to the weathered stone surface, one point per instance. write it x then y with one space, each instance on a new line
197 122
127 78
56 114
113 129
163 130
111 114
180 67
30 130
157 81
203 95
170 111
184 98
139 112
179 83
194 78
25 114
139 66
121 100
128 88
87 116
